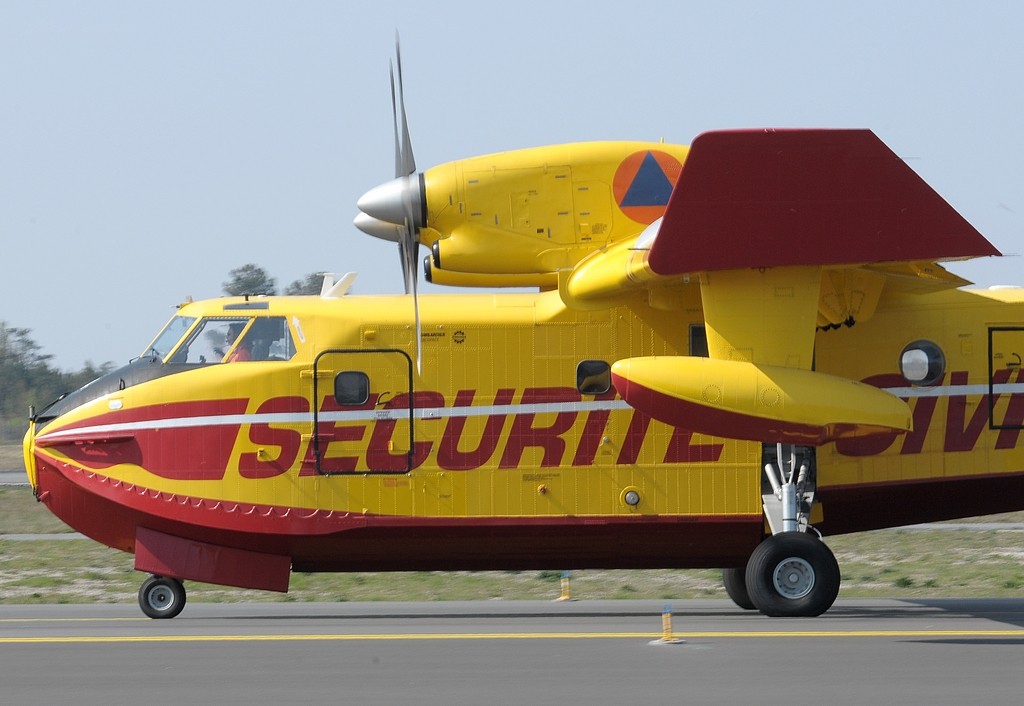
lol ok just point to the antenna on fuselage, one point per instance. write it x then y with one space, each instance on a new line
333 288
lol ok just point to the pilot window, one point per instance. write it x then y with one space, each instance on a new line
210 342
236 340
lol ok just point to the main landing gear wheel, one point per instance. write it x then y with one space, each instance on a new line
735 584
792 574
161 597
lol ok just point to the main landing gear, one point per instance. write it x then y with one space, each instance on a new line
792 573
161 597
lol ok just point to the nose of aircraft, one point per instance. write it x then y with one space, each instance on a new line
28 451
395 201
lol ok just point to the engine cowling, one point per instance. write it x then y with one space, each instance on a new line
526 214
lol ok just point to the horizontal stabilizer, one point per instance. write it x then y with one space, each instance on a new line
742 400
774 198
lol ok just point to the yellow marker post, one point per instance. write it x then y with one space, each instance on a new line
667 636
565 594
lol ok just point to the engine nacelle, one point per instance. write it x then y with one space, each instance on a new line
435 275
523 215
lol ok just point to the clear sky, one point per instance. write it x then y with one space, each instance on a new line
146 149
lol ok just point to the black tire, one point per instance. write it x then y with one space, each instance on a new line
161 597
735 584
792 574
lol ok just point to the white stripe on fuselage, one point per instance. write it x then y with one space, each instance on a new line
454 412
362 415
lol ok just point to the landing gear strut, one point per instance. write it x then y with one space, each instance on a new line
161 597
792 573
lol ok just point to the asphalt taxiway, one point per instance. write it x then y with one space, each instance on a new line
608 652
8 477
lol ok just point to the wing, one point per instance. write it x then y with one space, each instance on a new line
773 198
784 230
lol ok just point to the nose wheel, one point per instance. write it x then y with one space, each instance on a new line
161 597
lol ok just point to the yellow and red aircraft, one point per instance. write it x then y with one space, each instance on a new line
733 349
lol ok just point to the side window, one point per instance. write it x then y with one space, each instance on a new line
351 388
269 339
593 377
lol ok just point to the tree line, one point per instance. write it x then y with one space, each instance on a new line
253 279
28 376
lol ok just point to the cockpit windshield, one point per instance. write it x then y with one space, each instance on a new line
185 343
227 339
171 334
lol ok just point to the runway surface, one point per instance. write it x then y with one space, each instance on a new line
9 477
608 652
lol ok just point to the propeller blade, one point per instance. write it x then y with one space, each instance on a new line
394 122
408 164
407 252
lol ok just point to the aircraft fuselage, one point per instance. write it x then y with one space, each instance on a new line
329 452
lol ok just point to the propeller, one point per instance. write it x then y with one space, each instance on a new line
395 210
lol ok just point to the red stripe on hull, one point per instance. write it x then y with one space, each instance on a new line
110 512
856 508
178 453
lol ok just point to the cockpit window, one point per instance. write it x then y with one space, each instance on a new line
269 339
210 342
170 335
236 340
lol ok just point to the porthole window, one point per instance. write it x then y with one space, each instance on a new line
698 341
593 377
922 363
351 388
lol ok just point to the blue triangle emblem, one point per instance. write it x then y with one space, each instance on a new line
650 186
